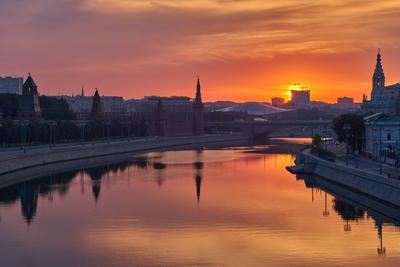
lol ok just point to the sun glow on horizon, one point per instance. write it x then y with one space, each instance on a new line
245 50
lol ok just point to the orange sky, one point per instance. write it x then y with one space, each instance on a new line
242 50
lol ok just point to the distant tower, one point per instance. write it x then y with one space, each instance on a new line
159 119
378 79
29 87
82 92
29 105
198 111
96 106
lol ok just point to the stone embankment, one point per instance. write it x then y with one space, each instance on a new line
35 163
357 180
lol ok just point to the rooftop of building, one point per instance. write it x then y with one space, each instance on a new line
380 118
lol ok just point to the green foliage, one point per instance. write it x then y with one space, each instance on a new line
8 133
348 211
9 105
316 141
55 109
354 134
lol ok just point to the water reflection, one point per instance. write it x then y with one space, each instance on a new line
146 210
198 166
352 207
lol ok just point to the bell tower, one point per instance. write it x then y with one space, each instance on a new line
378 79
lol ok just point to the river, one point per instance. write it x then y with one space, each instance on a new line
212 207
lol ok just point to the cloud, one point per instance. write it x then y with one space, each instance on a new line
121 36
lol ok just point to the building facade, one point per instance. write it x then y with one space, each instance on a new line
83 104
277 101
11 85
383 98
345 100
300 97
382 137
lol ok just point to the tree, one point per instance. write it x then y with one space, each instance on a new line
316 141
353 133
9 105
55 109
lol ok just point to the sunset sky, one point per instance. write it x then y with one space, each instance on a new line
241 49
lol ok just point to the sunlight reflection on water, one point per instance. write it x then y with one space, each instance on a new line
211 207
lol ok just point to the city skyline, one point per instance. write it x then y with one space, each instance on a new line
242 51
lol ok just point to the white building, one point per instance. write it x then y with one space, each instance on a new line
83 104
382 136
11 85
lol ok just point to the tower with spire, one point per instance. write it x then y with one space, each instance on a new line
198 111
383 97
29 86
378 78
29 105
96 112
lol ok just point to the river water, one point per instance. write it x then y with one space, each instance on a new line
226 207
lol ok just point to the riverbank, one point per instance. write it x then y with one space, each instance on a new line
355 179
282 146
42 161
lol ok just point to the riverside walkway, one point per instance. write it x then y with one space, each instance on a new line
31 150
361 162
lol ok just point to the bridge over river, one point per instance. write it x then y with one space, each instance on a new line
262 129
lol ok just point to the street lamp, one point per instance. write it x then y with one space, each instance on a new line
81 126
24 130
52 125
381 249
326 212
380 150
346 128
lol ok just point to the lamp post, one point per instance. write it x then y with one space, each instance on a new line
82 126
326 212
52 133
381 249
380 150
106 130
24 126
346 128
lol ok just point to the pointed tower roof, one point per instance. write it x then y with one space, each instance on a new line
378 66
96 93
198 91
82 92
29 83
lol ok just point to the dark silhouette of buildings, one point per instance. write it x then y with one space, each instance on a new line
29 201
96 111
96 174
159 120
29 105
155 120
164 122
198 111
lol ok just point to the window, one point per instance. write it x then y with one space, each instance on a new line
389 136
